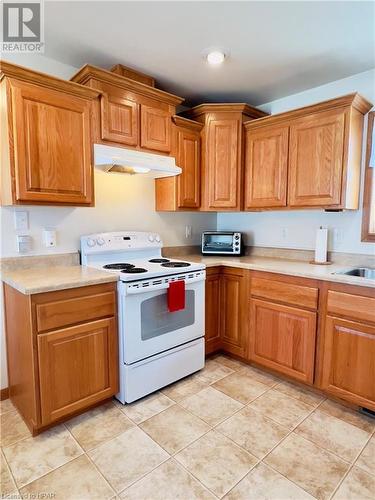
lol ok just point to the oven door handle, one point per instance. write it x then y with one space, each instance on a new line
162 286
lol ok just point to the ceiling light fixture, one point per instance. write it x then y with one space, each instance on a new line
215 57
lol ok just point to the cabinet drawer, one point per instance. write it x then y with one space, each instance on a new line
352 306
68 311
290 293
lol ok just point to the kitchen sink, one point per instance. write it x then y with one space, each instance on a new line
361 272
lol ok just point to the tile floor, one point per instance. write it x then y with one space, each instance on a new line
228 431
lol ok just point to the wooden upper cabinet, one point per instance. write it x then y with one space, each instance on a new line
318 166
132 111
222 153
316 159
46 139
266 167
182 192
156 128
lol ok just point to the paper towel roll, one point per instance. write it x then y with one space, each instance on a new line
321 245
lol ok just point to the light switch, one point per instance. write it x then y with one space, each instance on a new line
21 220
188 232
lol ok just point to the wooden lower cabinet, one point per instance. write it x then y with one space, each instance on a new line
349 361
226 326
61 360
283 338
76 367
233 325
212 316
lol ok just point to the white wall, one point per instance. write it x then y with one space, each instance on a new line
296 229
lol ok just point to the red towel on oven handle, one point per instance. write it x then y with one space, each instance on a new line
176 296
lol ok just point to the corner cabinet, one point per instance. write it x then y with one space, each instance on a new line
222 153
182 192
131 112
306 158
46 139
226 323
348 345
67 341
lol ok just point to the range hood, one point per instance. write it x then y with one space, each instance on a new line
129 161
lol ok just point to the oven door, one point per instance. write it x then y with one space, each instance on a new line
146 325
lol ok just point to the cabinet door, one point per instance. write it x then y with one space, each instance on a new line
212 334
348 361
188 158
78 366
232 311
316 159
283 338
223 164
156 128
52 141
266 167
119 119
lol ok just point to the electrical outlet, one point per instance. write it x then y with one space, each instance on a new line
338 235
284 233
49 237
188 232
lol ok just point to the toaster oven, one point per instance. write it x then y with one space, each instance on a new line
222 243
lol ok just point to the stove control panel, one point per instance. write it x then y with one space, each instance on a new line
119 240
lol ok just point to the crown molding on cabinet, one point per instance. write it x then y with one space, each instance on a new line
225 107
88 72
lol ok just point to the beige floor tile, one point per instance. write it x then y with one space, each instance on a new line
168 482
78 480
174 428
356 486
263 483
283 409
348 415
253 431
217 462
333 434
184 388
96 426
213 371
5 406
32 458
315 470
366 460
300 393
7 484
231 363
260 375
147 407
13 428
241 387
211 405
126 458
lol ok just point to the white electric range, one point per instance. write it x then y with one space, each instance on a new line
156 347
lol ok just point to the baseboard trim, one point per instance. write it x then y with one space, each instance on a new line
4 393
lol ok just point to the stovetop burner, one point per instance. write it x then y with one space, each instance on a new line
135 270
159 261
176 264
119 266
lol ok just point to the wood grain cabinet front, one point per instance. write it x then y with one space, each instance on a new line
212 310
349 361
306 158
62 350
222 153
182 192
46 139
77 368
132 111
